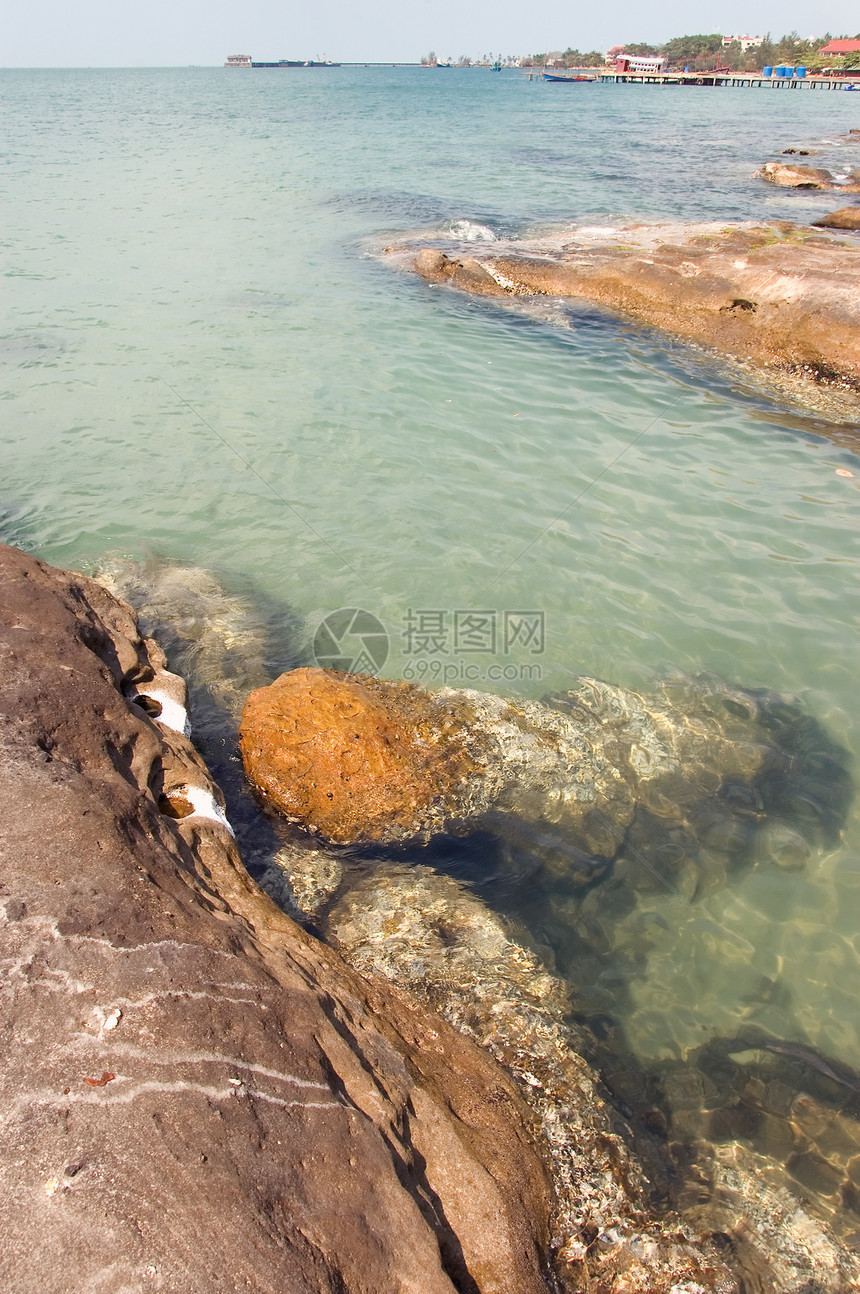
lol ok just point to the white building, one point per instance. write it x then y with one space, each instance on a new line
745 42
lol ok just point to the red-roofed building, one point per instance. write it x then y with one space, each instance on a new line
840 47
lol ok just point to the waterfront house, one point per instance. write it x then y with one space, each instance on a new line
836 47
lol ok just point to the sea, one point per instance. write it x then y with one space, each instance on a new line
209 360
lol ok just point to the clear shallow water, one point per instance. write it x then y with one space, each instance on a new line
204 361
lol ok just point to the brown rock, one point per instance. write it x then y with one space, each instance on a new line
355 758
431 263
362 760
844 218
196 1095
464 273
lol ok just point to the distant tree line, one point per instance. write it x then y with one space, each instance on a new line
564 58
484 60
708 49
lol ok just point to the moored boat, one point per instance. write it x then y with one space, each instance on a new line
549 76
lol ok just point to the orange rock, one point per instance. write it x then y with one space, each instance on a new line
358 759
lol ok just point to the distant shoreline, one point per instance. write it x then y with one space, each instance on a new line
216 67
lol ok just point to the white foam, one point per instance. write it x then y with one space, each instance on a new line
469 231
596 231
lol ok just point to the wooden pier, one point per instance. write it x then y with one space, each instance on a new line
749 79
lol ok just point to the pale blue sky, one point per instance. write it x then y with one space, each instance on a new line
160 33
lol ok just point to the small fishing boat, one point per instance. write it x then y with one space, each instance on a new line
548 76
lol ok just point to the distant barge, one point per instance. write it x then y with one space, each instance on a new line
244 60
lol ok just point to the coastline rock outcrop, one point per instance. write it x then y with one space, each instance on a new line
465 272
776 295
180 1053
216 640
195 1094
221 644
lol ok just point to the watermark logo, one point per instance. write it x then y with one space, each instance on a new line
469 631
472 645
351 640
462 645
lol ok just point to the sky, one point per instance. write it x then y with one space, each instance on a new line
165 33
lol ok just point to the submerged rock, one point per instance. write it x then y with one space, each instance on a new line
793 1108
468 273
195 1094
765 1230
613 1228
303 880
427 934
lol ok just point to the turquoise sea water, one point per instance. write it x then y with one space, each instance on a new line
206 361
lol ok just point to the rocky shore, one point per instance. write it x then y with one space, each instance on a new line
782 297
199 1094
